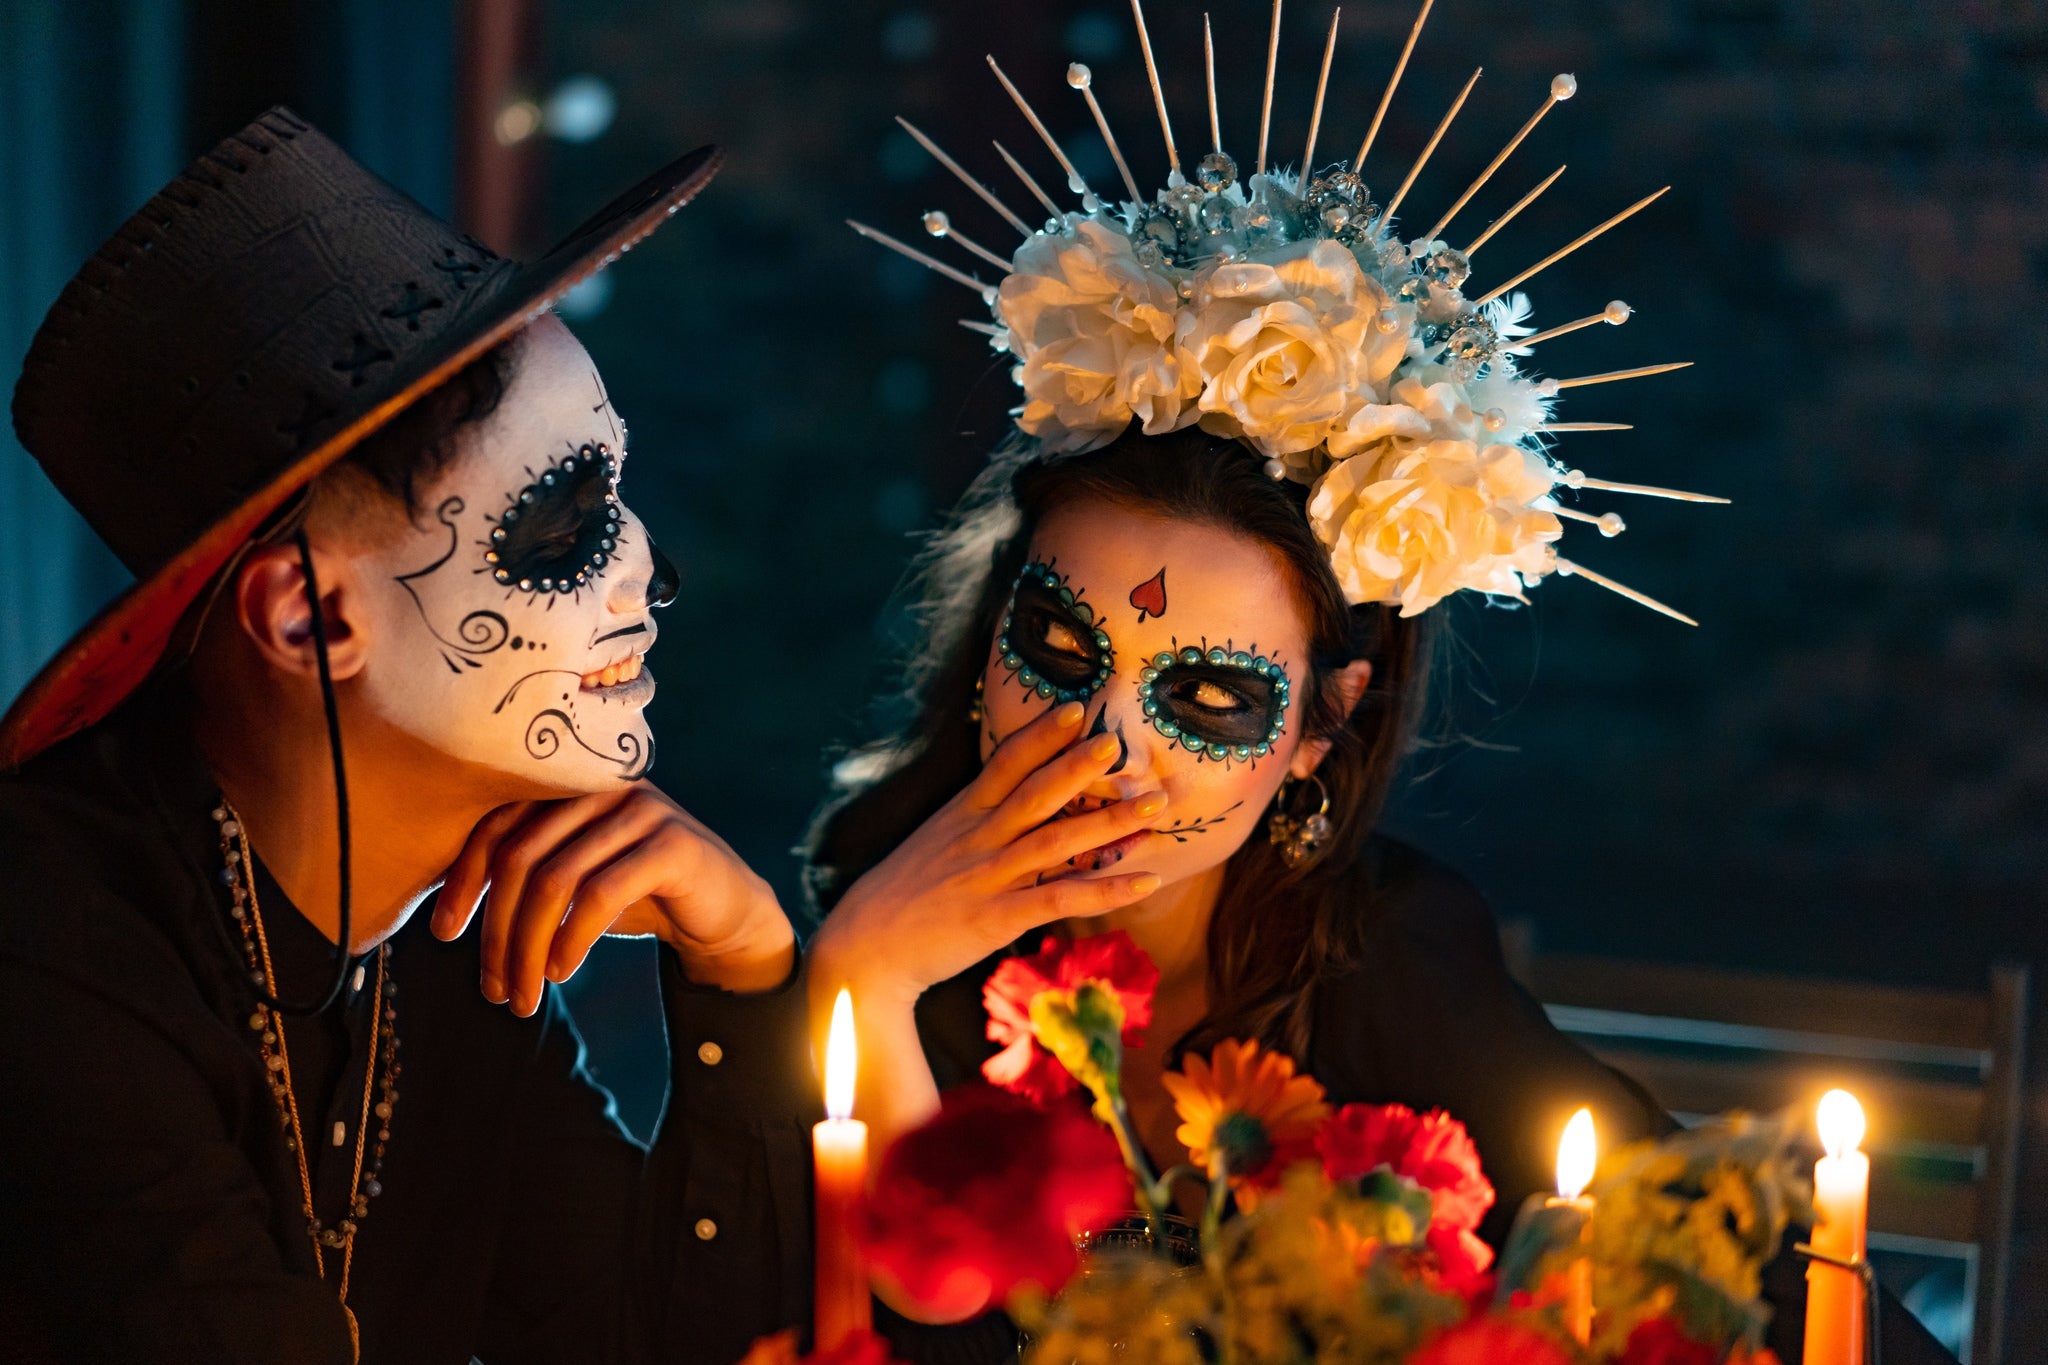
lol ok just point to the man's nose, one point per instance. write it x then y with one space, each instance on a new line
665 581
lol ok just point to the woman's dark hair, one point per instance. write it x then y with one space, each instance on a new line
1276 932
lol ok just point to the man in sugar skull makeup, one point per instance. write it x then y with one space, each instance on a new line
387 635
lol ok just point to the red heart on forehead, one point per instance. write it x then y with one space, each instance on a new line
1149 597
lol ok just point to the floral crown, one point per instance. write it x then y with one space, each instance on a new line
1287 312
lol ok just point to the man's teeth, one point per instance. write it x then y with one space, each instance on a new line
613 674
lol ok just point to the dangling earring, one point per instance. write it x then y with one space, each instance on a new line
1300 839
976 711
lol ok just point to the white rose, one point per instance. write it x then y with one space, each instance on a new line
1098 337
1415 521
1283 344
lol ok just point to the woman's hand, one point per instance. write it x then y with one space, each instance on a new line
561 873
987 868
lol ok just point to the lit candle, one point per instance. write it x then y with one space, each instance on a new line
1577 1154
839 1148
1841 1200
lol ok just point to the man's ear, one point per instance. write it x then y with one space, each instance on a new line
1350 682
270 608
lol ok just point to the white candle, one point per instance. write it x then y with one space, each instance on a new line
839 1149
1841 1199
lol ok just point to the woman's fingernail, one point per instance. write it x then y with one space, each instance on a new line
494 989
1151 803
1145 883
1068 716
1104 747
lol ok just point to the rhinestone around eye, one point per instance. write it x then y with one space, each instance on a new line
526 585
502 576
490 556
498 535
1191 655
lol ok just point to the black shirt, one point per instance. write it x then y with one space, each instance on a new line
149 1207
1429 1018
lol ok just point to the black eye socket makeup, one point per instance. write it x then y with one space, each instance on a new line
560 531
1217 704
1049 639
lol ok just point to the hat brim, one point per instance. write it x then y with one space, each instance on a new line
112 655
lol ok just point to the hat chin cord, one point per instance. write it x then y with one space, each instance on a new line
344 938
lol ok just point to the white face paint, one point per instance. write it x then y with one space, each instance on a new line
511 619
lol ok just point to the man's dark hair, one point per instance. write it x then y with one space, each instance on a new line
416 447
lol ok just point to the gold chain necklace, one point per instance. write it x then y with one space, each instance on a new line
268 1025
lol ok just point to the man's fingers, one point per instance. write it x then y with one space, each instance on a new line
603 898
1075 898
1023 754
462 886
518 852
1051 845
553 886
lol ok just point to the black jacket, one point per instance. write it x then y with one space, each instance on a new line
149 1208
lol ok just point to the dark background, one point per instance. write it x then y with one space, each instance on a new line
1843 771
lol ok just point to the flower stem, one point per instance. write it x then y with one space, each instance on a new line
1212 1212
1146 1186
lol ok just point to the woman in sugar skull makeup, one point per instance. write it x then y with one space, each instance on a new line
1176 643
387 635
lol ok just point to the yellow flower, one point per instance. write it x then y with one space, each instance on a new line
1244 1112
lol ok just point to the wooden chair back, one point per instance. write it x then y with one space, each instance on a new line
1939 1073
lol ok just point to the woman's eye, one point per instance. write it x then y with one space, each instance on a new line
1212 697
1060 636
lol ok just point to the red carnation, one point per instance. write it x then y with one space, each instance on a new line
1491 1341
1462 1261
1660 1341
988 1196
1431 1149
1111 962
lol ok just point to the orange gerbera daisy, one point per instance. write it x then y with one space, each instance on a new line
1244 1111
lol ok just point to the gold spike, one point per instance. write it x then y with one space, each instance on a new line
969 181
1509 216
1585 426
1266 109
1559 92
1642 490
1158 95
1613 314
1554 257
1358 162
1083 80
1315 118
939 225
1029 183
1568 569
1613 375
1074 180
1209 68
987 291
1387 216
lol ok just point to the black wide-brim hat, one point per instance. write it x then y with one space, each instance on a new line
257 319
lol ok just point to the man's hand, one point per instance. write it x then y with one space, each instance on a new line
552 876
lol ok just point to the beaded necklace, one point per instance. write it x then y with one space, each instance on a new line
268 1025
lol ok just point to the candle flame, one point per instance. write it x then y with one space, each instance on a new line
1841 1123
1577 1154
841 1058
